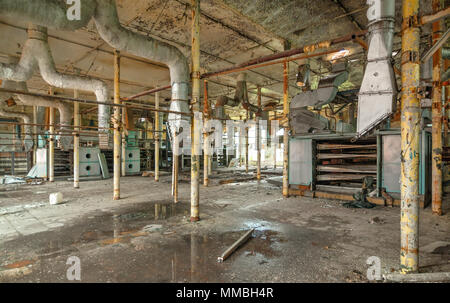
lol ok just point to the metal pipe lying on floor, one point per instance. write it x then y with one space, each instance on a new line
235 245
421 277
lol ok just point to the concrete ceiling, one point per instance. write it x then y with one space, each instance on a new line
232 31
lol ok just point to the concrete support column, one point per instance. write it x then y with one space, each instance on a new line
76 142
117 121
157 137
195 162
410 136
258 138
51 144
286 130
206 157
436 111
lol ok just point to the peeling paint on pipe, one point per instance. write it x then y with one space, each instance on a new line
410 136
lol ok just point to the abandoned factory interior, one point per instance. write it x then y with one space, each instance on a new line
225 141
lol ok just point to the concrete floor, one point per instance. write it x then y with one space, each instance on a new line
144 237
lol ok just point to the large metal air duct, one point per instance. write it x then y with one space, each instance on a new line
53 14
240 97
36 53
110 29
64 109
378 92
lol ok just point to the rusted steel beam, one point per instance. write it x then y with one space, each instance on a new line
410 136
288 53
436 111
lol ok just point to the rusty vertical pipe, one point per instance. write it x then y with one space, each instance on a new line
410 136
286 130
258 138
446 105
76 142
35 136
51 144
275 143
246 143
436 111
157 142
195 163
123 145
117 125
206 159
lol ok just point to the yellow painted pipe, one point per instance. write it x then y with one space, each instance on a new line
157 142
206 160
436 111
117 120
410 136
195 163
258 139
76 143
51 146
286 130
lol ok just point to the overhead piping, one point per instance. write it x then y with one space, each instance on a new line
240 97
36 53
53 15
110 29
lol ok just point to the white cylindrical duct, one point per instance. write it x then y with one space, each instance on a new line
120 38
36 53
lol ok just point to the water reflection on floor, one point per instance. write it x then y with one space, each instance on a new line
138 246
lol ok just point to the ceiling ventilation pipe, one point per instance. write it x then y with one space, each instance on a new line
27 142
53 14
64 109
110 29
378 92
36 53
240 97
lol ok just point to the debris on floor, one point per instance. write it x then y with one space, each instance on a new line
235 245
12 180
56 198
361 196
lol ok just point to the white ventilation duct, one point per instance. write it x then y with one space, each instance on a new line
378 92
53 14
110 29
27 141
64 109
36 53
240 97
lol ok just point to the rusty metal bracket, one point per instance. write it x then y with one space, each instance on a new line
411 22
410 57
